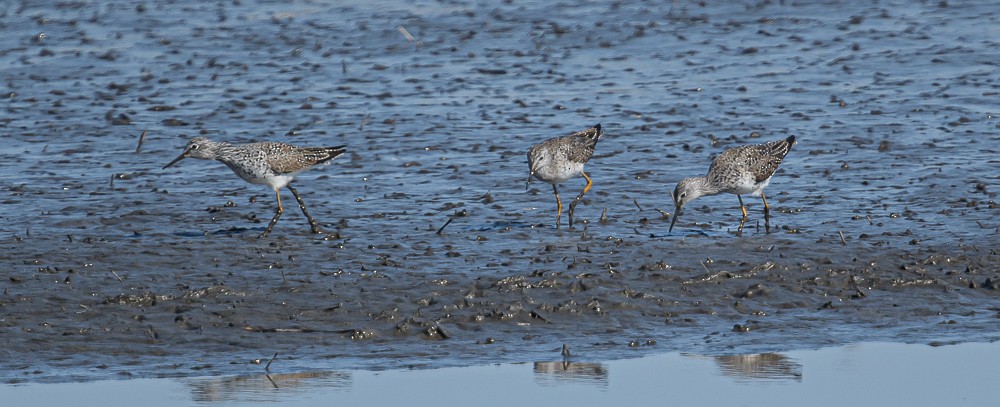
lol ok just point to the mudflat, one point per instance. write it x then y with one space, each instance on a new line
884 215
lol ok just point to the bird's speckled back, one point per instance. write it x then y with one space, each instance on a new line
761 160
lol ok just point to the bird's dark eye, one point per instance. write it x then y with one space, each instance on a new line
684 194
195 147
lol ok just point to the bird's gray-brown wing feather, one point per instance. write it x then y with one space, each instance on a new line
580 145
285 158
764 159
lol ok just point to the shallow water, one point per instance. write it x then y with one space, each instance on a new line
884 215
876 373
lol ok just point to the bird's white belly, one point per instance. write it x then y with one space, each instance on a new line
261 176
749 186
557 173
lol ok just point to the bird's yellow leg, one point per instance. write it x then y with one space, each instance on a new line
586 188
743 208
767 209
302 205
572 205
277 214
555 190
767 214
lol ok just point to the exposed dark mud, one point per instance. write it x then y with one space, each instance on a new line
884 216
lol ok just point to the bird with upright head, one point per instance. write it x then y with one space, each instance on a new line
264 163
560 159
739 170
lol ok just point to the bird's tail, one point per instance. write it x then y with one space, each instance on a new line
324 154
780 148
593 133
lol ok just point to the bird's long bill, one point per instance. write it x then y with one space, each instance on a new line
180 157
677 212
528 181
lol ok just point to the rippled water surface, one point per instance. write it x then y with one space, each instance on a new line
884 215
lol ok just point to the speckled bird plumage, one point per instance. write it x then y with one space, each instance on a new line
739 170
264 163
268 163
560 159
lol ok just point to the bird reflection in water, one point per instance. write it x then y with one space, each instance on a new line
260 388
565 371
766 366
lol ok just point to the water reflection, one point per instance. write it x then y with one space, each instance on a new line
565 372
770 366
273 387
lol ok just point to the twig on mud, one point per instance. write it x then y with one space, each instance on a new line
406 34
636 202
142 138
267 367
842 240
854 285
283 280
604 216
662 213
441 229
705 267
365 121
120 279
870 221
261 329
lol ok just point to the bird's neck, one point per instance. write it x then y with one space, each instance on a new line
217 149
703 187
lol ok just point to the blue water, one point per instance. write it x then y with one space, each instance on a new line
117 268
878 373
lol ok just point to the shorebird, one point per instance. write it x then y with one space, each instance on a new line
560 159
265 163
740 170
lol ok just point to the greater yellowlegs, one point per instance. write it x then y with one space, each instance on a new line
560 159
265 163
740 170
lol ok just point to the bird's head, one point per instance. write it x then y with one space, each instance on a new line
685 191
198 147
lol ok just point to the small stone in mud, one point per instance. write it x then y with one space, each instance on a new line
741 328
436 332
174 122
361 334
884 146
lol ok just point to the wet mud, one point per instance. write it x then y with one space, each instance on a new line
883 217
